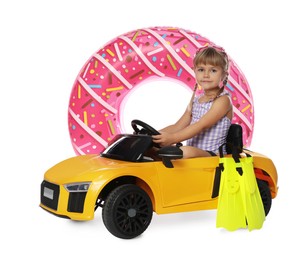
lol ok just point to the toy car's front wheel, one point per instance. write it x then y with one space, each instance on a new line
127 211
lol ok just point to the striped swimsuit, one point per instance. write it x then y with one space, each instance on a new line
212 138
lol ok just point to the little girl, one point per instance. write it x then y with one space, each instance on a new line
207 119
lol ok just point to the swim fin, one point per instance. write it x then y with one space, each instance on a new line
230 208
252 201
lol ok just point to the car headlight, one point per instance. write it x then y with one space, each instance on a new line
77 187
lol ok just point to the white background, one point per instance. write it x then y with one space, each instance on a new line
44 44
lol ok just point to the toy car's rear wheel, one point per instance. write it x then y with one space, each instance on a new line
265 195
127 211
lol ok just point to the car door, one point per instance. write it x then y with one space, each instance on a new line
189 181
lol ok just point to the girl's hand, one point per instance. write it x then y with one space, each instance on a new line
164 139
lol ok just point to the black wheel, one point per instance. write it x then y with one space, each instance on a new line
127 211
265 195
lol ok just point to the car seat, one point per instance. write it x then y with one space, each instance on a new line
234 139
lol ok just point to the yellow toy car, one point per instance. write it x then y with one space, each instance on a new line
129 182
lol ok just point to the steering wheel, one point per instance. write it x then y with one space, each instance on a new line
146 129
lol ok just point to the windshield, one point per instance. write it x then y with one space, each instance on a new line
128 147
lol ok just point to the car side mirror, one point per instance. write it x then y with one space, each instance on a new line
169 153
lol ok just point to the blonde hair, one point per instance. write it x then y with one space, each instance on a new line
213 56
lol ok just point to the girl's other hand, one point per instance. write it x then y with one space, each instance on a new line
164 139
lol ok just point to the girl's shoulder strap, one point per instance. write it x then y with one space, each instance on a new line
221 93
224 92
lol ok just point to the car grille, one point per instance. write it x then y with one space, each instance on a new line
76 202
50 195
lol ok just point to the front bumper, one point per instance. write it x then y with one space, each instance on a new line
57 200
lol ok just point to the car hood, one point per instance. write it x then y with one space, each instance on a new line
81 168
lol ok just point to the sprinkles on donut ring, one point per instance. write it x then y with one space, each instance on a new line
126 61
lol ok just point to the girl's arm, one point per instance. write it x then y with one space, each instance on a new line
220 108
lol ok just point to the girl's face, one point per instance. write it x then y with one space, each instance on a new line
209 76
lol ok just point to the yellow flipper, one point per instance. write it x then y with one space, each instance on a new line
252 201
230 209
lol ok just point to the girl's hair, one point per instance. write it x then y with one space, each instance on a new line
214 56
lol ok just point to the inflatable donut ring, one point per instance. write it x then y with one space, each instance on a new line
125 62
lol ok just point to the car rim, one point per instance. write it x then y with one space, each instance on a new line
132 214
